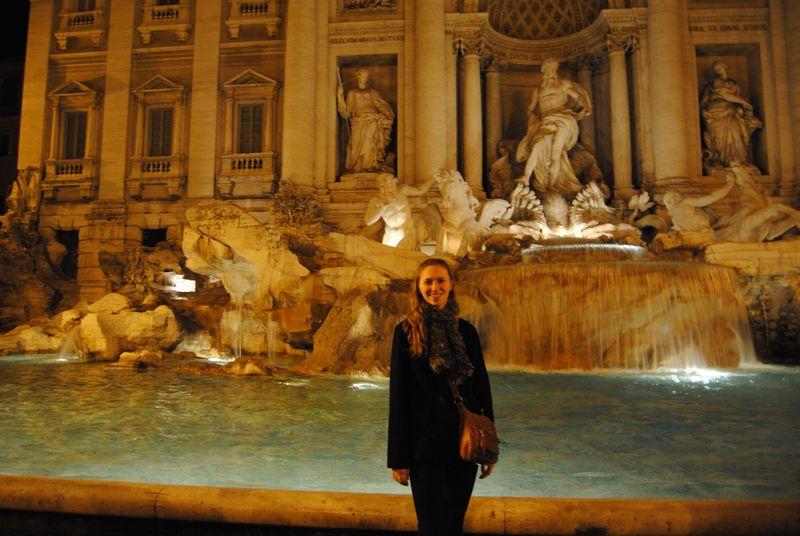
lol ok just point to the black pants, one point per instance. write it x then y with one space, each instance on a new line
441 492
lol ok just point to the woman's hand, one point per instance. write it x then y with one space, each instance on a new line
486 470
401 476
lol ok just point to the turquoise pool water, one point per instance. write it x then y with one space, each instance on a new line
667 435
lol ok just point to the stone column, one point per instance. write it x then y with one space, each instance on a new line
665 35
299 96
323 90
791 21
106 229
116 105
585 70
205 95
34 97
618 46
494 108
429 88
471 121
778 45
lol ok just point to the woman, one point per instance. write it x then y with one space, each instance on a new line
431 347
728 120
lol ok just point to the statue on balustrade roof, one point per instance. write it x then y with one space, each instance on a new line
369 118
728 120
555 109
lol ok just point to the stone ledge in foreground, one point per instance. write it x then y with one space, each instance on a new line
385 512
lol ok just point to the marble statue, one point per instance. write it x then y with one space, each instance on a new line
24 199
555 109
369 121
685 211
755 217
728 120
392 205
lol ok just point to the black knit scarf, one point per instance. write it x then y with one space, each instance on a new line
447 353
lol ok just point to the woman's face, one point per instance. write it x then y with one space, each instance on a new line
435 285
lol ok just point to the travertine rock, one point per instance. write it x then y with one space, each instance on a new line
358 250
252 261
102 336
757 258
356 335
343 279
28 339
110 303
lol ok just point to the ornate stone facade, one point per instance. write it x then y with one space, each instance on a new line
149 107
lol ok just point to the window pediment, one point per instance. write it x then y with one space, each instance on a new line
250 82
159 88
75 93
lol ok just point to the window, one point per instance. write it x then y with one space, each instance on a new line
74 135
84 5
160 132
69 263
251 128
151 237
167 2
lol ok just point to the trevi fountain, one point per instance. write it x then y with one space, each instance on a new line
220 207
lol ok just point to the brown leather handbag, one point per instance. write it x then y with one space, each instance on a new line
478 441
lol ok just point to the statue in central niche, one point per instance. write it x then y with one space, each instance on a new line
369 121
553 115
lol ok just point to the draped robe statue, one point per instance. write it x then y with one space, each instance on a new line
728 121
370 119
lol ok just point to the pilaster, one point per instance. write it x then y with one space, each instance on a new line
666 41
34 97
299 102
430 89
785 142
114 149
203 126
791 21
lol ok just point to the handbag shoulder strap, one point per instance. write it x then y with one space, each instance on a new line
456 395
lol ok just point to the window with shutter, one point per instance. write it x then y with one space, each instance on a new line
74 135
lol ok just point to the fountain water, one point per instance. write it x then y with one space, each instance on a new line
634 315
69 348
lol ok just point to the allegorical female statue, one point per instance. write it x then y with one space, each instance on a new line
728 120
370 120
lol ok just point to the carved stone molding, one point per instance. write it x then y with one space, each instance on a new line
366 32
624 43
469 47
495 64
569 47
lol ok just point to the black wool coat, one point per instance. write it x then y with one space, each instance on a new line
423 418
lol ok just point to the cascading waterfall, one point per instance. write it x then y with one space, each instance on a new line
633 315
69 348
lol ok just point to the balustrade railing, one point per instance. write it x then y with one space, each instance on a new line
69 168
150 165
253 13
253 9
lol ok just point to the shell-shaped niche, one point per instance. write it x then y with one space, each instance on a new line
543 19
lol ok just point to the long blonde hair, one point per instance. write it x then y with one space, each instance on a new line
414 326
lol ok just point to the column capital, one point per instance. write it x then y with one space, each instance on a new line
621 42
495 64
469 47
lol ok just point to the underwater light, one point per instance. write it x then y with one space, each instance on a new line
176 283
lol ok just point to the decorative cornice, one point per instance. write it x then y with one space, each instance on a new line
366 32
